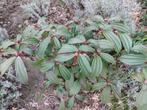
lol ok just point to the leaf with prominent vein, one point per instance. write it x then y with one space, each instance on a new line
21 72
6 64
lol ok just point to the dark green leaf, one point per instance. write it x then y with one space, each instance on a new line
140 49
70 102
7 43
86 48
62 31
67 49
52 77
57 42
80 97
84 64
64 57
32 40
62 106
126 41
21 72
76 40
69 83
115 39
97 66
90 28
5 65
105 44
75 88
42 47
47 66
107 57
133 59
65 73
94 43
120 27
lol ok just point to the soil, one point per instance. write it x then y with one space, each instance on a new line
12 16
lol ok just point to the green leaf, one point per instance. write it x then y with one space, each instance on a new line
47 66
105 95
140 49
52 77
62 31
70 102
126 41
32 40
5 65
97 66
67 49
76 40
21 72
93 43
107 57
120 27
57 42
90 28
74 29
105 27
80 98
64 57
69 83
84 64
42 47
115 39
27 50
105 44
9 51
7 43
75 88
86 48
65 73
62 106
98 86
133 59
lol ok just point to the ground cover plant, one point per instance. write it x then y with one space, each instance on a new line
81 55
77 58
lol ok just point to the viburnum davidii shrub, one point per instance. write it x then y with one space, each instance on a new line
96 56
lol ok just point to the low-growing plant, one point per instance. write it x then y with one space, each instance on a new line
97 56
